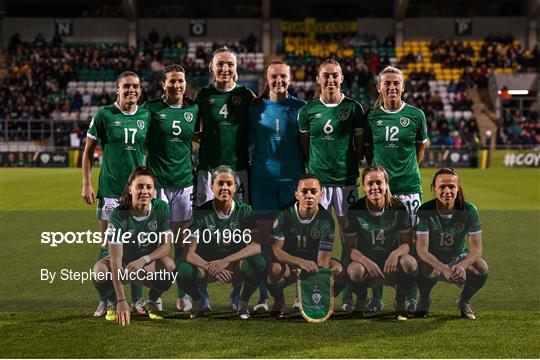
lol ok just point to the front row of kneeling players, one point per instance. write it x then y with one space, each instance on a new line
378 235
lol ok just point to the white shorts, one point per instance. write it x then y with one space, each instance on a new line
339 198
204 192
412 202
180 201
105 207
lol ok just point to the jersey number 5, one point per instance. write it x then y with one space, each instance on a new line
177 130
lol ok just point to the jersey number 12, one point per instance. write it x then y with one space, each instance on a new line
391 133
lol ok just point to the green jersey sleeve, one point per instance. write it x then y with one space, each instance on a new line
164 216
328 235
278 230
248 219
351 225
358 126
113 227
95 130
474 226
423 223
303 123
421 133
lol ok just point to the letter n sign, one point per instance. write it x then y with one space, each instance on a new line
63 27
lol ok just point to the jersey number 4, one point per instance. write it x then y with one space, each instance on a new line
224 111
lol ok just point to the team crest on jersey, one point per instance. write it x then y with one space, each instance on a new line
116 123
108 209
292 114
235 225
188 116
343 115
201 197
140 124
404 121
458 227
162 116
236 100
316 297
152 225
315 234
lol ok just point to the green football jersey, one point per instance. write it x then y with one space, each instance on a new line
169 142
144 232
377 234
331 130
393 136
304 238
122 137
447 233
224 116
219 236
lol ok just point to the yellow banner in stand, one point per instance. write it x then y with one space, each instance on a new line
310 26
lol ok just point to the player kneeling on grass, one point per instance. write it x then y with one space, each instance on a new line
443 225
302 237
222 245
139 236
378 236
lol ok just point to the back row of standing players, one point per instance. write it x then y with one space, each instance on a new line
331 133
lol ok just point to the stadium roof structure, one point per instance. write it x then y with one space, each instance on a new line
339 9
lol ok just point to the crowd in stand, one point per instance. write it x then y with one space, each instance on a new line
519 127
39 72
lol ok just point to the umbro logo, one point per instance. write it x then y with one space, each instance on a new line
162 116
318 116
379 122
117 123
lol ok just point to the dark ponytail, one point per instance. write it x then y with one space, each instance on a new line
125 199
460 198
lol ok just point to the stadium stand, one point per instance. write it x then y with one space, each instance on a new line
70 81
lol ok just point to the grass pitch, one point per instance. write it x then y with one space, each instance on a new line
38 319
